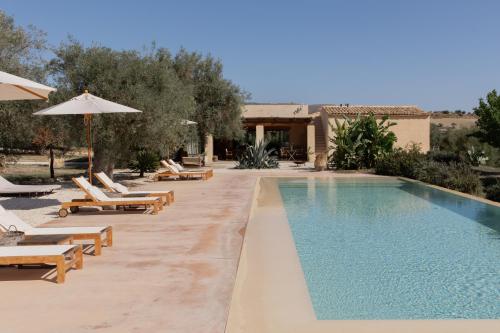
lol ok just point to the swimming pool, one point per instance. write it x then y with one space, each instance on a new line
390 249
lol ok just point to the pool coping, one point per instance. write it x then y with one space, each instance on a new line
271 294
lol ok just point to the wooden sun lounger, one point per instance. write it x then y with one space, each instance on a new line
205 175
8 188
96 198
94 234
63 256
172 172
123 191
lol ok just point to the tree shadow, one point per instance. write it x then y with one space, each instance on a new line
23 203
28 273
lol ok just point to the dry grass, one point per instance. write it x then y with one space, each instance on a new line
20 173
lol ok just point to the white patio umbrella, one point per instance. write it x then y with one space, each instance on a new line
16 88
86 104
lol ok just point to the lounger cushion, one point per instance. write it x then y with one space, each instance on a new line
140 193
7 187
177 165
120 188
100 196
35 250
173 169
9 218
66 231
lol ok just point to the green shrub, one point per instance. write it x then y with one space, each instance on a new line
145 161
400 162
460 140
358 143
444 156
257 157
492 189
413 164
455 176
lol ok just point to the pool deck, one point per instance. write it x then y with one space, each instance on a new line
173 272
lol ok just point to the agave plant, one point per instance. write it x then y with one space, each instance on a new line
257 157
476 157
145 161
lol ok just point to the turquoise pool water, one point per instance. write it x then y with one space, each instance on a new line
389 249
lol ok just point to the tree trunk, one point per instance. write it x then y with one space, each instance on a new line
51 163
103 161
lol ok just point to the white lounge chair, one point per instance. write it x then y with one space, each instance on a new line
126 193
63 256
95 197
8 188
98 235
172 171
175 164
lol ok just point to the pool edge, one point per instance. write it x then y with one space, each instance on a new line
268 267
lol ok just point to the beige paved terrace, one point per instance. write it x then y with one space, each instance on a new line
173 272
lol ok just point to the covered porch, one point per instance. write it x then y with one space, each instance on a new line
288 128
292 138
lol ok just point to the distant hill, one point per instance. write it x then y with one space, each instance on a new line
453 119
452 114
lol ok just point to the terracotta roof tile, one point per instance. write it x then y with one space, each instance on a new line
389 110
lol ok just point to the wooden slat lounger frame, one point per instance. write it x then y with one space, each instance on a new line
94 234
91 201
96 237
167 197
205 174
75 255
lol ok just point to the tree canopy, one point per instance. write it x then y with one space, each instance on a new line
143 81
218 100
167 88
488 112
21 53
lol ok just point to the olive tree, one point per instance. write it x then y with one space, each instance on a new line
488 113
21 53
145 81
218 100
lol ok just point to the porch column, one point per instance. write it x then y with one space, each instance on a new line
311 142
209 149
259 133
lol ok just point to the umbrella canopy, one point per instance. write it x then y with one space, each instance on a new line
16 88
86 104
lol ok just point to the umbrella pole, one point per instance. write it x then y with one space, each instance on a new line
88 120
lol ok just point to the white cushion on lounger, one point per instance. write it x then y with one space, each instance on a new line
173 169
120 188
147 192
104 178
9 218
177 165
123 189
34 250
7 187
100 196
2 210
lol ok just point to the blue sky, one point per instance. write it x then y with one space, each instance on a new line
439 54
